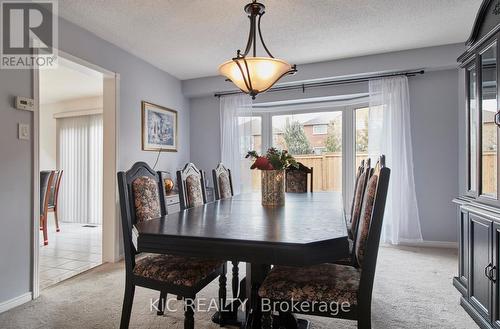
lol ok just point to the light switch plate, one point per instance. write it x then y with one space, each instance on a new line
23 131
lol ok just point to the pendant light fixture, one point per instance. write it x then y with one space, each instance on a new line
252 74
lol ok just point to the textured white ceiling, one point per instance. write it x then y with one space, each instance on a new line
190 38
69 81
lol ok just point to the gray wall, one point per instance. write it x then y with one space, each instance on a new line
16 172
139 81
205 133
434 119
435 125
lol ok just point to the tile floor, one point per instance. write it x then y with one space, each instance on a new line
73 250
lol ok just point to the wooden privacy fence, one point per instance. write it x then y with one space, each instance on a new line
327 170
489 181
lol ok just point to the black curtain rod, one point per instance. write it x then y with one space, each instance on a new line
303 86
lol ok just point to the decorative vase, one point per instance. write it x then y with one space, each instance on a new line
273 188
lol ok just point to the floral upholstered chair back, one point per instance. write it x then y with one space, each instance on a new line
296 179
358 174
141 199
359 194
223 183
190 181
146 198
370 221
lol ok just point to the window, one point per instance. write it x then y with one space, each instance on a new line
251 139
489 129
361 135
320 129
473 115
323 151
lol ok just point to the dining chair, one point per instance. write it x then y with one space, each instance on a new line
141 199
362 176
296 179
223 182
359 194
191 184
358 174
46 178
334 284
223 186
54 196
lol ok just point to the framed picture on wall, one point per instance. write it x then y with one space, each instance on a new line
159 128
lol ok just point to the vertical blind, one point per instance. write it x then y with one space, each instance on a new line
80 141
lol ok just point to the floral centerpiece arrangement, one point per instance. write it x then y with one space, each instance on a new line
273 165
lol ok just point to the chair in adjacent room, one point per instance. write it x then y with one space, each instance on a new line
141 199
296 179
46 179
54 196
334 283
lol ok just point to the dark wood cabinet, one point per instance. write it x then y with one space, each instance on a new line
480 262
463 270
479 259
494 275
478 215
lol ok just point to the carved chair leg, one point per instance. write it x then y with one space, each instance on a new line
189 313
57 219
44 228
128 300
267 320
365 320
222 295
162 302
236 280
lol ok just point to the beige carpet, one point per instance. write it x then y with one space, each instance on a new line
413 289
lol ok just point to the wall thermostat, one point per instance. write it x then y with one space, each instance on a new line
25 103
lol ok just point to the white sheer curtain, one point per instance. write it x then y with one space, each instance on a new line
236 138
389 133
80 142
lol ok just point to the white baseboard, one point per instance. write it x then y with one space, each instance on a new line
430 244
14 302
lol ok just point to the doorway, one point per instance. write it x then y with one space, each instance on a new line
71 145
75 223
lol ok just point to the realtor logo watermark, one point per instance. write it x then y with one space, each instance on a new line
266 305
28 34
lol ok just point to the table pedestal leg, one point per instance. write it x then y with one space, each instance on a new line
289 321
249 287
232 315
256 273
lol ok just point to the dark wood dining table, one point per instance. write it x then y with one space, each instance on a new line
309 229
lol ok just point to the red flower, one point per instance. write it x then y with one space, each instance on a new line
261 163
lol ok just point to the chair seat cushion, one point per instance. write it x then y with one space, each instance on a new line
344 261
322 283
176 270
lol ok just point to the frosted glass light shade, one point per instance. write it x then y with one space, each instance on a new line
262 74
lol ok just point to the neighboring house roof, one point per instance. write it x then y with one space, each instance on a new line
320 120
254 125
